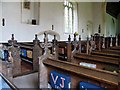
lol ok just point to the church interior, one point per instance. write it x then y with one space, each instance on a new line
60 44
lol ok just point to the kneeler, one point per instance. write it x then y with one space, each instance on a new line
90 86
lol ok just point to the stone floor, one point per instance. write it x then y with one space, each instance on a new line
29 81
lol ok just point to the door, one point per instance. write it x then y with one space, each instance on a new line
90 28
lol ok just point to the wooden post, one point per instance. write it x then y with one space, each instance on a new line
37 52
69 49
43 74
103 44
75 45
12 41
9 71
87 46
92 45
116 41
107 42
79 43
55 47
99 43
6 69
111 41
15 52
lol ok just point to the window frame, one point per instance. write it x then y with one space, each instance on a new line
69 5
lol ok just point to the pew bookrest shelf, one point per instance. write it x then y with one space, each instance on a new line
96 74
27 47
111 51
105 54
115 48
27 60
102 59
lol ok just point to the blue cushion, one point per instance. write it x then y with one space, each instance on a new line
90 86
6 55
60 81
23 52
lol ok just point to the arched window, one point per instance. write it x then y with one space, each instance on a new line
70 17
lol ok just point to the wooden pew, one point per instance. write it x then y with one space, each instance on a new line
100 62
97 57
75 46
15 52
105 42
78 73
6 65
98 41
67 46
104 78
34 51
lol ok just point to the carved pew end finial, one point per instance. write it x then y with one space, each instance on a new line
69 38
36 41
74 37
79 37
12 41
36 38
54 37
12 37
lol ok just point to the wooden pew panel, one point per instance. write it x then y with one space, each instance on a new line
74 70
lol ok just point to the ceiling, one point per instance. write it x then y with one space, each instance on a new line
113 8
